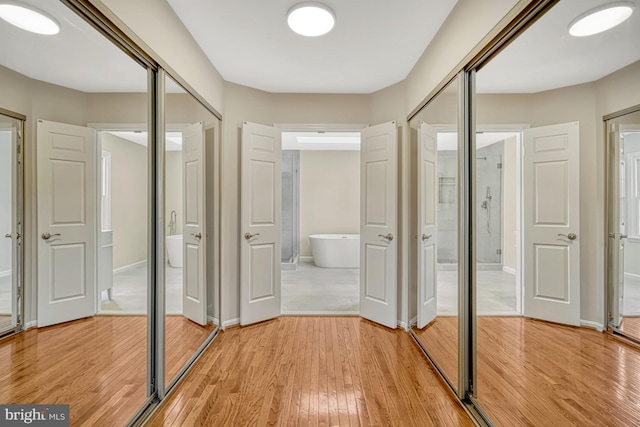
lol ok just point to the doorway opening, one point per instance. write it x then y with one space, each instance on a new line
320 222
11 130
498 201
624 225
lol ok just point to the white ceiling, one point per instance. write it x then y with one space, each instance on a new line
173 140
546 57
249 43
374 44
319 140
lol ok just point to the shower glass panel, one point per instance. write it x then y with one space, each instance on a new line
191 228
624 224
10 223
290 208
434 221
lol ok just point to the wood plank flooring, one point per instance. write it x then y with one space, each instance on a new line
311 371
96 365
631 326
533 373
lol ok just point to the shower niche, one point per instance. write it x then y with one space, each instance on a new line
290 236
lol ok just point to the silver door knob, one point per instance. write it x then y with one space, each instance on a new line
47 236
389 236
426 237
570 236
249 236
198 235
623 236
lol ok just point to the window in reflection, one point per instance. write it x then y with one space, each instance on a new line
434 255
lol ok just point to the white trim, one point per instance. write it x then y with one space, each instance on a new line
509 270
632 279
231 322
403 325
128 267
413 320
213 320
594 325
318 126
5 273
320 313
305 258
32 324
127 313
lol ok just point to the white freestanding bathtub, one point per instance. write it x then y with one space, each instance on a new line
174 250
336 250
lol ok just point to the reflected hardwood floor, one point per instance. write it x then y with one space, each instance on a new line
311 371
96 365
533 373
631 326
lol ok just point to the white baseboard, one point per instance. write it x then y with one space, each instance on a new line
32 324
129 267
630 278
305 258
509 270
5 273
213 320
403 325
594 325
231 322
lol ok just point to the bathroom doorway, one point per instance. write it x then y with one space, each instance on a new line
498 201
320 222
123 196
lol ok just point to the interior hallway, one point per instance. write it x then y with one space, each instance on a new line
311 371
535 373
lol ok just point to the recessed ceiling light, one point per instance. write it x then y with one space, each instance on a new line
311 19
601 19
29 18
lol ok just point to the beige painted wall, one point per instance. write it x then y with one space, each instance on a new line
329 194
128 200
155 26
509 203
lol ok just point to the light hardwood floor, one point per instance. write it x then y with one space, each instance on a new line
311 371
533 373
631 326
96 365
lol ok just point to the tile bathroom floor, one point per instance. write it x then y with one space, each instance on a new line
315 290
496 293
129 294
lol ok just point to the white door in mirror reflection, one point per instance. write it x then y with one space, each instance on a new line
260 225
427 226
552 223
66 222
378 229
194 291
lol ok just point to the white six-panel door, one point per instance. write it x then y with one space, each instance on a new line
616 224
194 293
427 227
261 192
378 229
552 223
66 222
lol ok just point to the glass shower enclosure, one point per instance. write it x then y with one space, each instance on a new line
290 237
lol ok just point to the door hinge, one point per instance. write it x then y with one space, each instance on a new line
499 165
19 319
499 251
